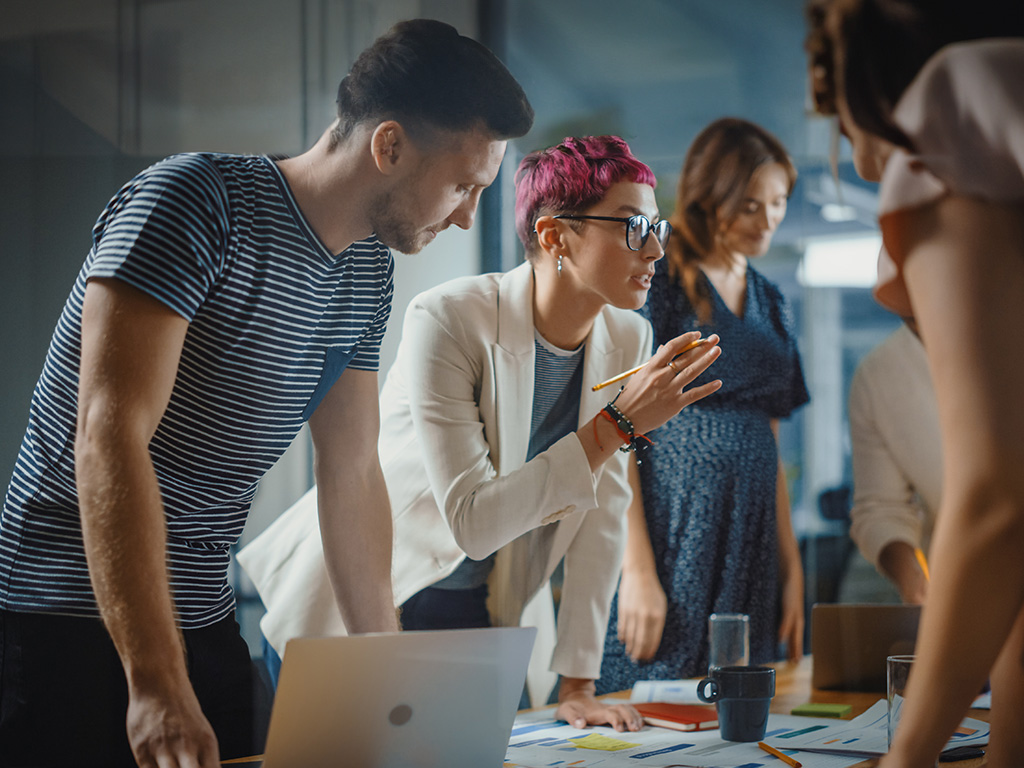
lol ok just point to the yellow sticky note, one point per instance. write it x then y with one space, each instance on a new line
597 741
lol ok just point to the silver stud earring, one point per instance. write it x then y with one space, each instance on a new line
559 265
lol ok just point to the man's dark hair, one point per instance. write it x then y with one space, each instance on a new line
428 77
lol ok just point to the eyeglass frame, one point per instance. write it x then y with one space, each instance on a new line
625 220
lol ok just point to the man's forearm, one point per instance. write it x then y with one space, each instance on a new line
123 531
355 525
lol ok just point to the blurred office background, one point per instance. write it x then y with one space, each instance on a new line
92 91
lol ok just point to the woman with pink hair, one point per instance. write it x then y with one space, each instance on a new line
501 460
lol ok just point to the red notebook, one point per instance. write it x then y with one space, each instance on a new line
681 717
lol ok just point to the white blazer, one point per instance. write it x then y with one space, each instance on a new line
455 429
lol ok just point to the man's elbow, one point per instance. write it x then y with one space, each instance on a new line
99 438
354 470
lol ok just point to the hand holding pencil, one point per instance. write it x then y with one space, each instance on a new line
654 393
657 390
631 371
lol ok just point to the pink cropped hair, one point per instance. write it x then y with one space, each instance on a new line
570 178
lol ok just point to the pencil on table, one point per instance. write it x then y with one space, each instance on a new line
922 562
782 756
631 371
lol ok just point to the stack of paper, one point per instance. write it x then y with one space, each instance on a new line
866 735
540 741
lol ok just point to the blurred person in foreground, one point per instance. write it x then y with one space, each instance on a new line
929 93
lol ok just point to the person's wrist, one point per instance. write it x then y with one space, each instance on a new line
606 433
577 696
156 683
633 441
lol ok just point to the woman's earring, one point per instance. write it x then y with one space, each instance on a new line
559 265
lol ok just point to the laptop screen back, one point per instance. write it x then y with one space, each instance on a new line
407 699
850 642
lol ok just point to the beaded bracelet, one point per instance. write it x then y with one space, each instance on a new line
622 435
637 444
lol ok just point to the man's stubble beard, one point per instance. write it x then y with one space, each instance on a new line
391 228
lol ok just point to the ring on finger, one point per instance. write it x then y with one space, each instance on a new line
672 365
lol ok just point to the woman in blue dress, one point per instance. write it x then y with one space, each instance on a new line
713 531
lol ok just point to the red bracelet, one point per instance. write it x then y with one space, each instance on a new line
622 434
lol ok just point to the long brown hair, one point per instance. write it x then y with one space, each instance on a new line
868 51
717 170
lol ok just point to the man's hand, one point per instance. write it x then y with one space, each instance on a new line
579 707
167 728
642 609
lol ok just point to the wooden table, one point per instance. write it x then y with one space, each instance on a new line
793 687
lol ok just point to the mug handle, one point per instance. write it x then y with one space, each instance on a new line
708 682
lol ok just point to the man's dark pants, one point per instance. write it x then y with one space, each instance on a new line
64 699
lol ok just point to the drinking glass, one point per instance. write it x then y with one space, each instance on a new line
728 640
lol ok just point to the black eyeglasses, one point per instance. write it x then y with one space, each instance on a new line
638 229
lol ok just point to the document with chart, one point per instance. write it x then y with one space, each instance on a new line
540 741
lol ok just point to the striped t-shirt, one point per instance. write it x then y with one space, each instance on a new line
556 394
274 318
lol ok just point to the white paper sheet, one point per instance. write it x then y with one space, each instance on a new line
867 735
540 741
677 691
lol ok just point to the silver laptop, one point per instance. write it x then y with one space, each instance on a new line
445 698
849 643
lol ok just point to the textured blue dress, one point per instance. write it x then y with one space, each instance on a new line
709 483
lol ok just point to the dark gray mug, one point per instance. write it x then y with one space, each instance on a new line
742 696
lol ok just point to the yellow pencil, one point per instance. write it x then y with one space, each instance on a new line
631 371
922 562
783 757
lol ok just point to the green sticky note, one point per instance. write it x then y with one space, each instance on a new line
822 710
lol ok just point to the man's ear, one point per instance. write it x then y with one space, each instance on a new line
388 143
550 235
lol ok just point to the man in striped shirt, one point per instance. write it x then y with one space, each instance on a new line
226 300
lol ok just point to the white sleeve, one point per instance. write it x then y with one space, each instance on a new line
592 565
483 511
884 508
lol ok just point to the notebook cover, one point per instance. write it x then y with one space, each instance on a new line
681 717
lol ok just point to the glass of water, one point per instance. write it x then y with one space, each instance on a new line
728 640
897 672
